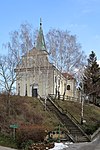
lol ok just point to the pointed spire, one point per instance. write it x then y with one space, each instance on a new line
40 23
40 40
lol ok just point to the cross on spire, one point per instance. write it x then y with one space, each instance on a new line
40 23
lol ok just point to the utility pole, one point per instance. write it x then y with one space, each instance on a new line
82 102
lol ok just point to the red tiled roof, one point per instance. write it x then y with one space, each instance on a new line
67 75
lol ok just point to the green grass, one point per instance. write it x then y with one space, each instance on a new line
91 113
7 141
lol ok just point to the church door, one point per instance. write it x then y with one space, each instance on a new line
34 92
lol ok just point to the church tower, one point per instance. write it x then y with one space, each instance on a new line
40 45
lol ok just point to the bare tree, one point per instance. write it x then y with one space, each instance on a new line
8 64
20 42
65 51
7 74
26 37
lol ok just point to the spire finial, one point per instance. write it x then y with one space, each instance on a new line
40 22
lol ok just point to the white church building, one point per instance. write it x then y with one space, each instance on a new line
38 77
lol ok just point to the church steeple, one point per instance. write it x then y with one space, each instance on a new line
40 40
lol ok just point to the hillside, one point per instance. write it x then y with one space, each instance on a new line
91 113
24 110
29 110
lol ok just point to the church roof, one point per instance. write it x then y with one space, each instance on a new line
40 45
68 76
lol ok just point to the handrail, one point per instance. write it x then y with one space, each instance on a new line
77 124
68 113
95 134
41 100
64 97
72 118
61 112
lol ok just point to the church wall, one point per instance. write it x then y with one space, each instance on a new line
44 80
70 91
49 81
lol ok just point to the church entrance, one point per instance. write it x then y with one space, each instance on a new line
35 90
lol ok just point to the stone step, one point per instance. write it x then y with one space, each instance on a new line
68 123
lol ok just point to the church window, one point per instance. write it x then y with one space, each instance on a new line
68 87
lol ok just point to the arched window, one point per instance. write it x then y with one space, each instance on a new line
68 87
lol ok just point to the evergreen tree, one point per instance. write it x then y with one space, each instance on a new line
91 78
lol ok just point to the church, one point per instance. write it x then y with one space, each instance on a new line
38 77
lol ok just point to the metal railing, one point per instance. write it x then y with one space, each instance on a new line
63 97
73 119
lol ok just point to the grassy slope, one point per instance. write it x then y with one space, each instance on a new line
25 110
30 110
90 111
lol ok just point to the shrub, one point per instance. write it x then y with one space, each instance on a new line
90 129
7 141
27 133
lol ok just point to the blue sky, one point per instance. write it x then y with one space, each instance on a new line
80 17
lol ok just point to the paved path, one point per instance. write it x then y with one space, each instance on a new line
94 145
6 148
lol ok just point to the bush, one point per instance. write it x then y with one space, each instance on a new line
7 141
28 133
90 129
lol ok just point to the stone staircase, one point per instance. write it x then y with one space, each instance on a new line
74 131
